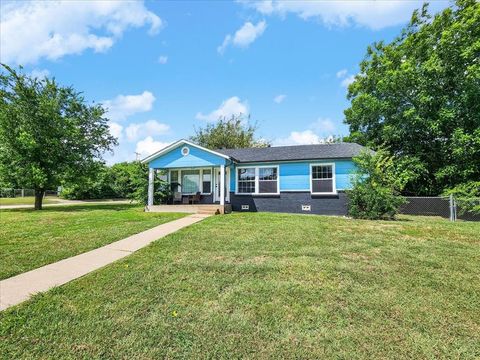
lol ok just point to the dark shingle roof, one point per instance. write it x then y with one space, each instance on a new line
297 152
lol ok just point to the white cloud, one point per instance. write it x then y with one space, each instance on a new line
341 73
306 137
229 107
116 129
163 59
244 36
323 126
148 146
348 80
319 132
123 106
119 154
279 98
371 14
32 30
39 73
151 127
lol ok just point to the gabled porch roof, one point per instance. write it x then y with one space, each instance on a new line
189 154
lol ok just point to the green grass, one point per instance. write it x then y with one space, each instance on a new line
269 286
30 239
27 200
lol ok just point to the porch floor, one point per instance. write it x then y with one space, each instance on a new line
194 209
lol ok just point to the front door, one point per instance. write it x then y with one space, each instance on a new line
216 194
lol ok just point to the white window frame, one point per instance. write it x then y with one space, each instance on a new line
201 181
257 176
334 183
179 170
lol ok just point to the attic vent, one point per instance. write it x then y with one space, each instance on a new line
245 207
185 151
306 208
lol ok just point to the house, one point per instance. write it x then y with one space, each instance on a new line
295 179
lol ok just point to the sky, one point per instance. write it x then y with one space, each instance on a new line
163 69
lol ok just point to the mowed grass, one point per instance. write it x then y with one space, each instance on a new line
269 286
27 200
30 239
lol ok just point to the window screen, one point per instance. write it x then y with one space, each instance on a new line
246 181
207 181
174 180
267 180
190 181
322 179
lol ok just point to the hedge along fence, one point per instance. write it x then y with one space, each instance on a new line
14 193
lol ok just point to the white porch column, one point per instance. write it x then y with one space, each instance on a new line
222 184
150 186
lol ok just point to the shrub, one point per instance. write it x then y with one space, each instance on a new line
94 185
467 196
126 180
377 184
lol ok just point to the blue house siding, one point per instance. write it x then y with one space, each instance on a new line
295 176
294 181
196 158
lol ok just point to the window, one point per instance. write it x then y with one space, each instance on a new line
322 179
246 181
258 180
207 181
267 180
174 181
190 181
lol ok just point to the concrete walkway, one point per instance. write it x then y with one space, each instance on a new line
19 288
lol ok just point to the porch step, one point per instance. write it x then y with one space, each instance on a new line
194 209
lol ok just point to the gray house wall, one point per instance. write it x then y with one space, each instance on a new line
291 202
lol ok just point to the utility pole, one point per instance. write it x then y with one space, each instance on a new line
137 156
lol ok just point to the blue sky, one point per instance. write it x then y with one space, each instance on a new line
163 68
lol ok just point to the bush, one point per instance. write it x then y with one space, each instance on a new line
126 180
94 185
377 184
467 196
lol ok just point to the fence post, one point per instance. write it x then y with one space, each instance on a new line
453 209
23 192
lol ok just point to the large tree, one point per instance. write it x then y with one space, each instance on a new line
419 96
48 132
231 133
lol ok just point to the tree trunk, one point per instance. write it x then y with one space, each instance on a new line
39 198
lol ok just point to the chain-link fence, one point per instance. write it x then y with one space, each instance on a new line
14 193
448 207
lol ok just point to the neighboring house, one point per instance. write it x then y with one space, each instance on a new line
296 179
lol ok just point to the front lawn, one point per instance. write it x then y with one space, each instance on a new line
30 239
269 286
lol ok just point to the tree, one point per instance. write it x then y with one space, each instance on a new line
419 97
230 134
48 132
125 180
377 182
130 180
96 184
